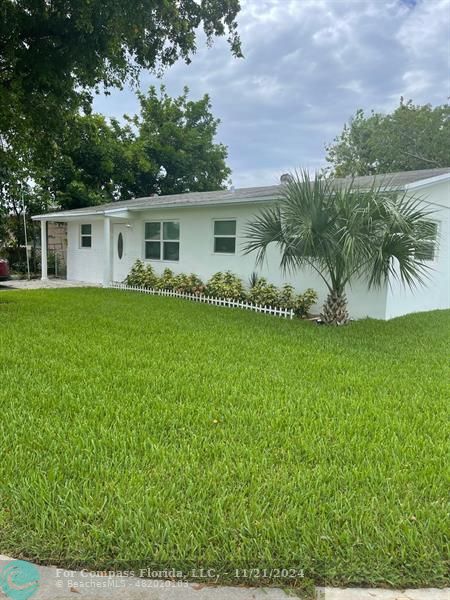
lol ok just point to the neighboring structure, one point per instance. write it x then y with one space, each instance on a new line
57 236
202 233
57 247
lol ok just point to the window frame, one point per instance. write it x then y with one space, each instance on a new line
434 243
162 240
214 236
85 235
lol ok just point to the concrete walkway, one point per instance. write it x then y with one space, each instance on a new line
60 584
37 284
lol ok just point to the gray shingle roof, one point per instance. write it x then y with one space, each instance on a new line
398 180
242 195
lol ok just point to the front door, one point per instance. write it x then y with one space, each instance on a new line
121 266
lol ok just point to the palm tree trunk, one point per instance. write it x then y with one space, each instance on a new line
334 311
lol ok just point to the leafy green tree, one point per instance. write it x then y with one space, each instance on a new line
85 164
168 148
4 230
18 195
53 54
412 137
175 146
344 233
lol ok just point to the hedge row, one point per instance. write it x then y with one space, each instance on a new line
224 285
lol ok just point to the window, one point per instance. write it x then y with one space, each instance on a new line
428 250
162 240
225 237
86 235
120 245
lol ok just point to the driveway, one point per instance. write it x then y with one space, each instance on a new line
37 284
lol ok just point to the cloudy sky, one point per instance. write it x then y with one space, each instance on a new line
309 64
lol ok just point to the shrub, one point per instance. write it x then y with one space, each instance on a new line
141 275
305 302
166 281
264 293
150 277
137 274
287 297
253 279
189 284
225 285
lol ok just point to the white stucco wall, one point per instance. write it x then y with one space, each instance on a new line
436 293
85 264
197 256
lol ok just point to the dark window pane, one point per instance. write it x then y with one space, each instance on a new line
171 230
426 252
224 227
86 241
226 245
171 250
86 229
153 250
428 244
120 245
432 229
153 231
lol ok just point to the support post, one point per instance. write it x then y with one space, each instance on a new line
107 274
44 250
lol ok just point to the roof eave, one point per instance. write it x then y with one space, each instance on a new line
63 216
429 181
204 204
72 215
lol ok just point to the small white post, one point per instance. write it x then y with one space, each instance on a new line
44 250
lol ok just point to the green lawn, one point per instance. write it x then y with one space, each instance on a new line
138 430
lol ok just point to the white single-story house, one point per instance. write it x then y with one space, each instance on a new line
202 233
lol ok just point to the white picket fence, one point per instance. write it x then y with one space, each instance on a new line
286 313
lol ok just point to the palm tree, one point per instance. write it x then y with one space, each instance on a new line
344 232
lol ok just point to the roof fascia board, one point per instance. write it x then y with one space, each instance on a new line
203 204
429 181
65 215
112 211
68 215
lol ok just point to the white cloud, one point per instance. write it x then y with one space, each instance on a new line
425 25
308 66
416 82
354 86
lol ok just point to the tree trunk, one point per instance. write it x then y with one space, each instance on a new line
334 311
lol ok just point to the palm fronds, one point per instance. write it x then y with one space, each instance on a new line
344 232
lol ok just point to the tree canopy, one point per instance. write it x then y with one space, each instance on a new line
54 53
176 135
412 137
168 148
